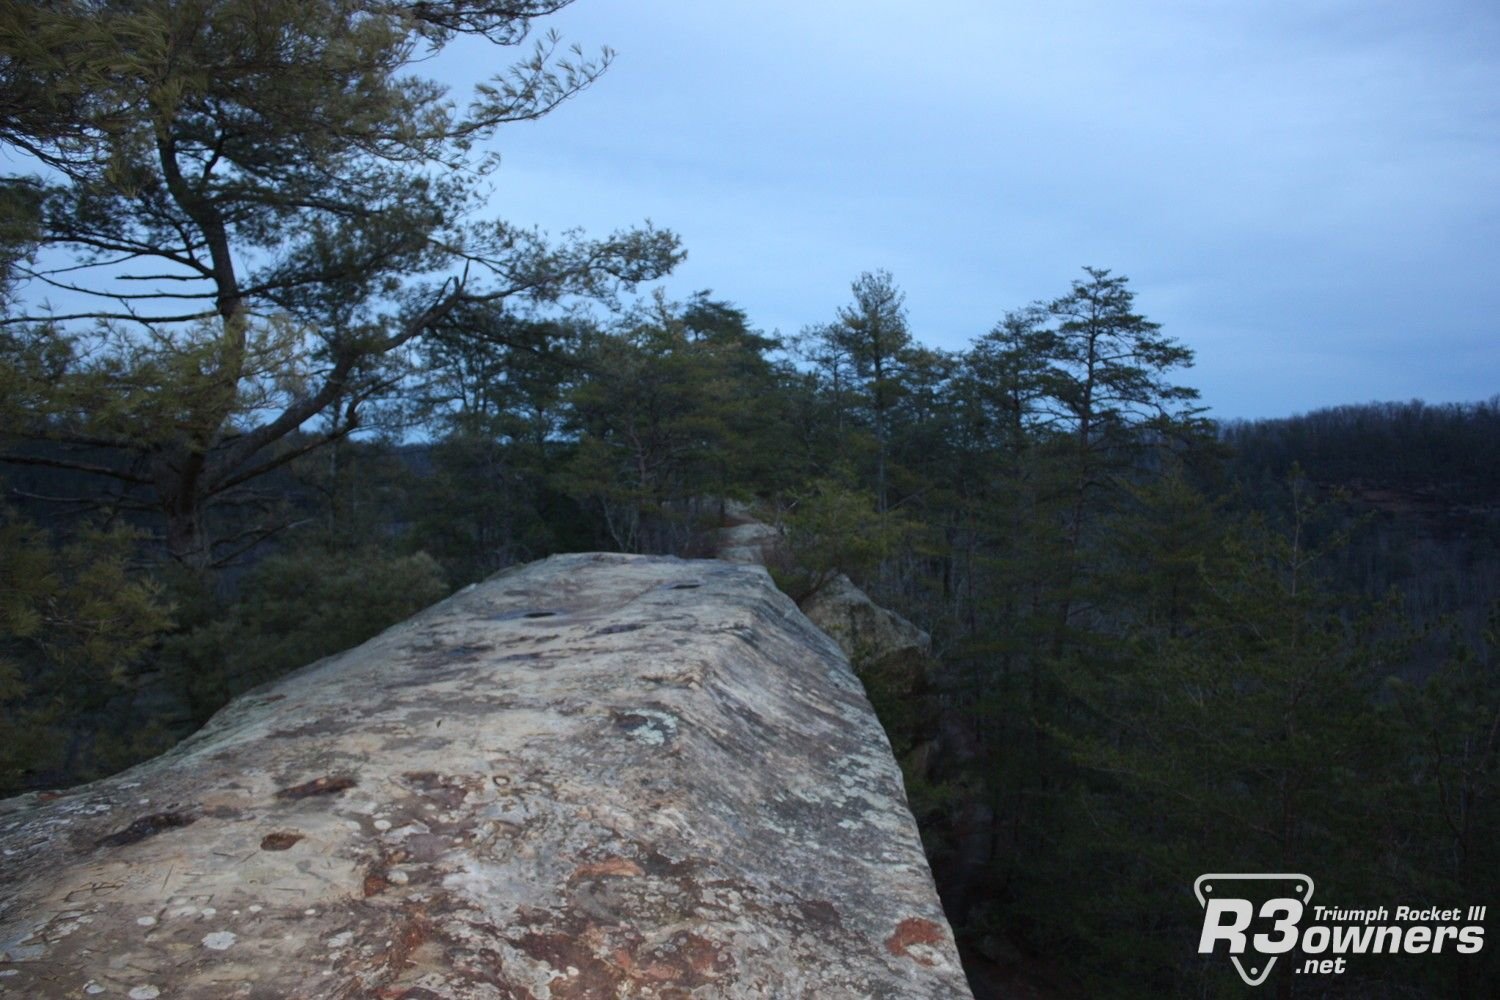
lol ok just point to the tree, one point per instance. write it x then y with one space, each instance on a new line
679 408
1067 415
832 529
999 391
494 387
74 620
1231 724
872 333
1449 806
1107 396
1009 374
262 208
1065 400
293 608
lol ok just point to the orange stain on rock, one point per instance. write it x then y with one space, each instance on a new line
623 867
913 930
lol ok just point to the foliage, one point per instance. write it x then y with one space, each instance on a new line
292 609
75 621
1244 735
832 528
862 357
1439 819
263 208
678 414
1417 484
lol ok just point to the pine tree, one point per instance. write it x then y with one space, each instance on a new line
678 413
1234 727
75 620
261 208
872 333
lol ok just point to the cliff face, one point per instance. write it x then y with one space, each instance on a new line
593 777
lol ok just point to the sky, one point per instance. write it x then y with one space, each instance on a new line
1305 193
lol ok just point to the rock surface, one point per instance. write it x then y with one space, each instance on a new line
745 539
594 777
865 631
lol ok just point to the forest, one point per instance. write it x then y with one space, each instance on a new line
303 388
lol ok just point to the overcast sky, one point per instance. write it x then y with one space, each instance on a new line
1306 193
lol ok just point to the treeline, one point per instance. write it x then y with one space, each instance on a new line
1451 451
1152 657
1417 489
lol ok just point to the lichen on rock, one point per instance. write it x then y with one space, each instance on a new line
594 776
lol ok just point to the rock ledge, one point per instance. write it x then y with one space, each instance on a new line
596 776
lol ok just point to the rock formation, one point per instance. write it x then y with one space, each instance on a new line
744 538
865 631
893 659
889 654
592 777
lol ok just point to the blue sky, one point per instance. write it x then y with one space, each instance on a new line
1306 193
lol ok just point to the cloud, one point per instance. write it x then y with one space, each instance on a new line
1304 192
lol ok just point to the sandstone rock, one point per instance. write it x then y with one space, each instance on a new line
744 539
864 630
594 777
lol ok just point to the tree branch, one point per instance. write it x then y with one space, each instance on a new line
76 466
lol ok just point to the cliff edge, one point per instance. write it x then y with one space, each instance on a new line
596 776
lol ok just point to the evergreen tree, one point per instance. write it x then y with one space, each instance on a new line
673 419
494 392
1233 727
1107 396
262 207
1440 817
872 334
292 608
75 621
